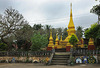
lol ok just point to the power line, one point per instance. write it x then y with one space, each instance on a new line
67 18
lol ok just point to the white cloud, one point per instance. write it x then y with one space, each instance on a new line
54 12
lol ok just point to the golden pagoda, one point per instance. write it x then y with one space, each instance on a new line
71 30
50 40
71 27
56 41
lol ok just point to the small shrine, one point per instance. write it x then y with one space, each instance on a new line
50 45
91 44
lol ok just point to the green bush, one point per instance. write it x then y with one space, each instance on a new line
39 41
3 47
85 45
73 39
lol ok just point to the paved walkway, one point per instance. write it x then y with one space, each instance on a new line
30 65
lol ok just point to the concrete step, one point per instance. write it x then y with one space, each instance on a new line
62 53
60 59
58 63
61 56
60 50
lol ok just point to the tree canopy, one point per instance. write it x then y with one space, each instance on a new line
93 32
39 41
79 32
96 10
73 39
10 22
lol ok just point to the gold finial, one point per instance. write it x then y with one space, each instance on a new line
70 9
50 34
71 5
56 36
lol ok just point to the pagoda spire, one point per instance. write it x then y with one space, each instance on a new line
51 34
71 24
57 36
71 10
71 27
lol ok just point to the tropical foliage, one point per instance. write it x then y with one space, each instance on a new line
73 39
39 41
3 47
79 32
93 32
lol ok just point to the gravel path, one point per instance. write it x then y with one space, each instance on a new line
30 65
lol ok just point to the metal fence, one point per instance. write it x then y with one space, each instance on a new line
77 52
85 51
30 54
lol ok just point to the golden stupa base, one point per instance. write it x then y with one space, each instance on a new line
81 45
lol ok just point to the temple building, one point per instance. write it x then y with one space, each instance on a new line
63 43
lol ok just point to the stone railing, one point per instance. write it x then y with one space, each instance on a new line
51 57
23 54
85 51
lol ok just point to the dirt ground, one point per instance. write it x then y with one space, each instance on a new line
31 65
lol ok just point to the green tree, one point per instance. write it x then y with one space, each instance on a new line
65 33
93 32
23 45
73 39
37 26
23 36
96 10
39 41
47 30
10 23
24 33
47 27
3 47
97 0
79 32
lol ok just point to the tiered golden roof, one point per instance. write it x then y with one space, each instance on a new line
91 41
56 41
50 40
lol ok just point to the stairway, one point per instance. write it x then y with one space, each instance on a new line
61 50
60 58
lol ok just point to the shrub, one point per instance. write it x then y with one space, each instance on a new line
3 47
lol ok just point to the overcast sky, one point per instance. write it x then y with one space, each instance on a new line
53 12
